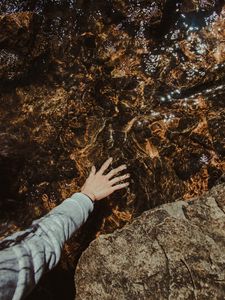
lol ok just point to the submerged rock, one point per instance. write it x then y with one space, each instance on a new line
175 251
20 45
16 30
79 92
85 80
197 5
145 12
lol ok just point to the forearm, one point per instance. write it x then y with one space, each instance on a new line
40 250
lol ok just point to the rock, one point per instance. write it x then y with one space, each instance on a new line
16 30
192 59
145 12
196 5
20 45
175 251
11 65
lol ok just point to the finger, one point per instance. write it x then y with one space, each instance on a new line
120 186
119 178
105 165
93 170
115 171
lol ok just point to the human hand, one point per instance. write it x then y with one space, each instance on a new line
98 186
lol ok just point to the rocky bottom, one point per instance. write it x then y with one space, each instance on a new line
80 81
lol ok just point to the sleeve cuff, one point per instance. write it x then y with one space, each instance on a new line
78 207
83 197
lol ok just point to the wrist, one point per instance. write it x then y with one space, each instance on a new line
91 196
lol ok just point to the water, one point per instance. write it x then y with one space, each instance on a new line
84 80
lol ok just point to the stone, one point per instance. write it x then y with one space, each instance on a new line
175 251
17 29
198 5
145 12
20 45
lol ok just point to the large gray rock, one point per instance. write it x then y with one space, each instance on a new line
176 251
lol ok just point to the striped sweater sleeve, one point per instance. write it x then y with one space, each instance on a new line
39 248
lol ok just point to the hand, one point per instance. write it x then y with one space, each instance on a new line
98 186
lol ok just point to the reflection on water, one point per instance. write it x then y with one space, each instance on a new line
142 81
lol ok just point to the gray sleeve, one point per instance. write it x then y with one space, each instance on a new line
22 265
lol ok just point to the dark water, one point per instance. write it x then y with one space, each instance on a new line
142 81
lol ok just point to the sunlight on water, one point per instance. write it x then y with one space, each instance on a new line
142 81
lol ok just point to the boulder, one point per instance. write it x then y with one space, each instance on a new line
175 251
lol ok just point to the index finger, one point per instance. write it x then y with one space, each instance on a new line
105 165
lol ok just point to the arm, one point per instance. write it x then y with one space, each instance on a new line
22 265
38 248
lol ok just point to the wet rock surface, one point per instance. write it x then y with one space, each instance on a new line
171 252
142 81
20 46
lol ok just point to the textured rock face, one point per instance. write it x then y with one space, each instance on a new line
175 251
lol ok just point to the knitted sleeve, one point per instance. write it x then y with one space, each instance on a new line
39 247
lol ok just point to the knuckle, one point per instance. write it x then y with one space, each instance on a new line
113 172
111 182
